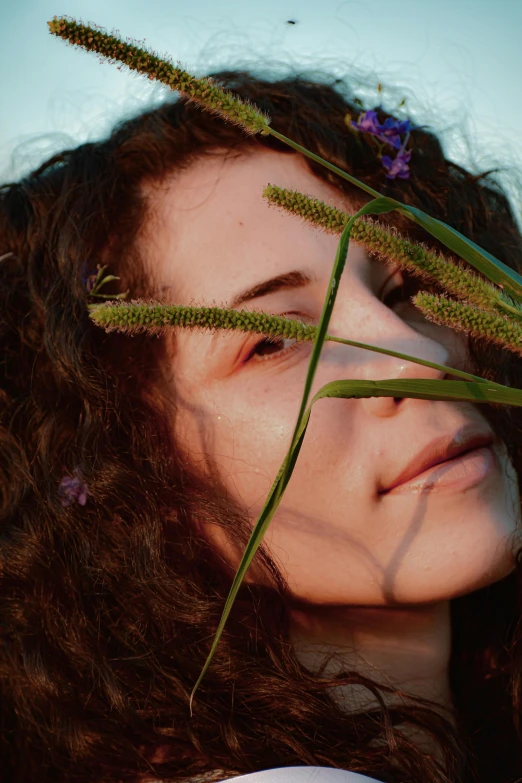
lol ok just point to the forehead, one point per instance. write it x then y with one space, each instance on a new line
211 232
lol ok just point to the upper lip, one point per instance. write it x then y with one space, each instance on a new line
440 450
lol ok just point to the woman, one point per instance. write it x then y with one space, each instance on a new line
378 630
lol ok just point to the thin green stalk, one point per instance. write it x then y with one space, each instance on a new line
325 163
286 469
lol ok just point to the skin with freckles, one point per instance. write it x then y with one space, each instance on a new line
373 573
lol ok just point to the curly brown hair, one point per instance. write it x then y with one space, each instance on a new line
108 610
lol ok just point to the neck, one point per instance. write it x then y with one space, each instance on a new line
405 647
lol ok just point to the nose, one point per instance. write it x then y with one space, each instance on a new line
399 369
368 320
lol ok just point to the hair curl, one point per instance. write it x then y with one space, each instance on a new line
108 611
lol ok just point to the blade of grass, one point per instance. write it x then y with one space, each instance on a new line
464 391
295 446
423 389
420 388
484 262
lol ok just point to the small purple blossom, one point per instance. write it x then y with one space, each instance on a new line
399 166
89 282
88 276
368 123
391 131
71 489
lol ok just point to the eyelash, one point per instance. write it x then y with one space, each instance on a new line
277 341
403 290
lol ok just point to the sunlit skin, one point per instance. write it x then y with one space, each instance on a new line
375 573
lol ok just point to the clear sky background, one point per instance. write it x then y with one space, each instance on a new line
458 63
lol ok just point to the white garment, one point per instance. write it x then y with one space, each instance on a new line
302 775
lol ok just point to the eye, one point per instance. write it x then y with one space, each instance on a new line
273 347
408 287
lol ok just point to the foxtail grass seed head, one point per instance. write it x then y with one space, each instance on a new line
315 211
391 248
211 98
477 323
144 315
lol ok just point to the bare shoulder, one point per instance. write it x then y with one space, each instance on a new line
301 775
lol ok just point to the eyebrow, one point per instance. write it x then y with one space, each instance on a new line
287 281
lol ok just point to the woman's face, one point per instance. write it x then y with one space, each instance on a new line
338 539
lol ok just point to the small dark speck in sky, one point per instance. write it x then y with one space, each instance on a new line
291 21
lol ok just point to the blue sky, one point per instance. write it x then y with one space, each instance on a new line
458 63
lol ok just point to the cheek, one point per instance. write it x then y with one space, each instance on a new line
242 440
239 447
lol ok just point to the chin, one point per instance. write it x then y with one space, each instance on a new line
453 581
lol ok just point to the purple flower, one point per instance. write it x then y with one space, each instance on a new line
391 131
71 489
89 282
399 166
88 277
368 122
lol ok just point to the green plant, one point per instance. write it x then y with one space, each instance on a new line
492 312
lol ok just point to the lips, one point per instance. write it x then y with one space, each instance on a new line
440 450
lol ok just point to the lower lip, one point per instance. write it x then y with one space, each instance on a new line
456 474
